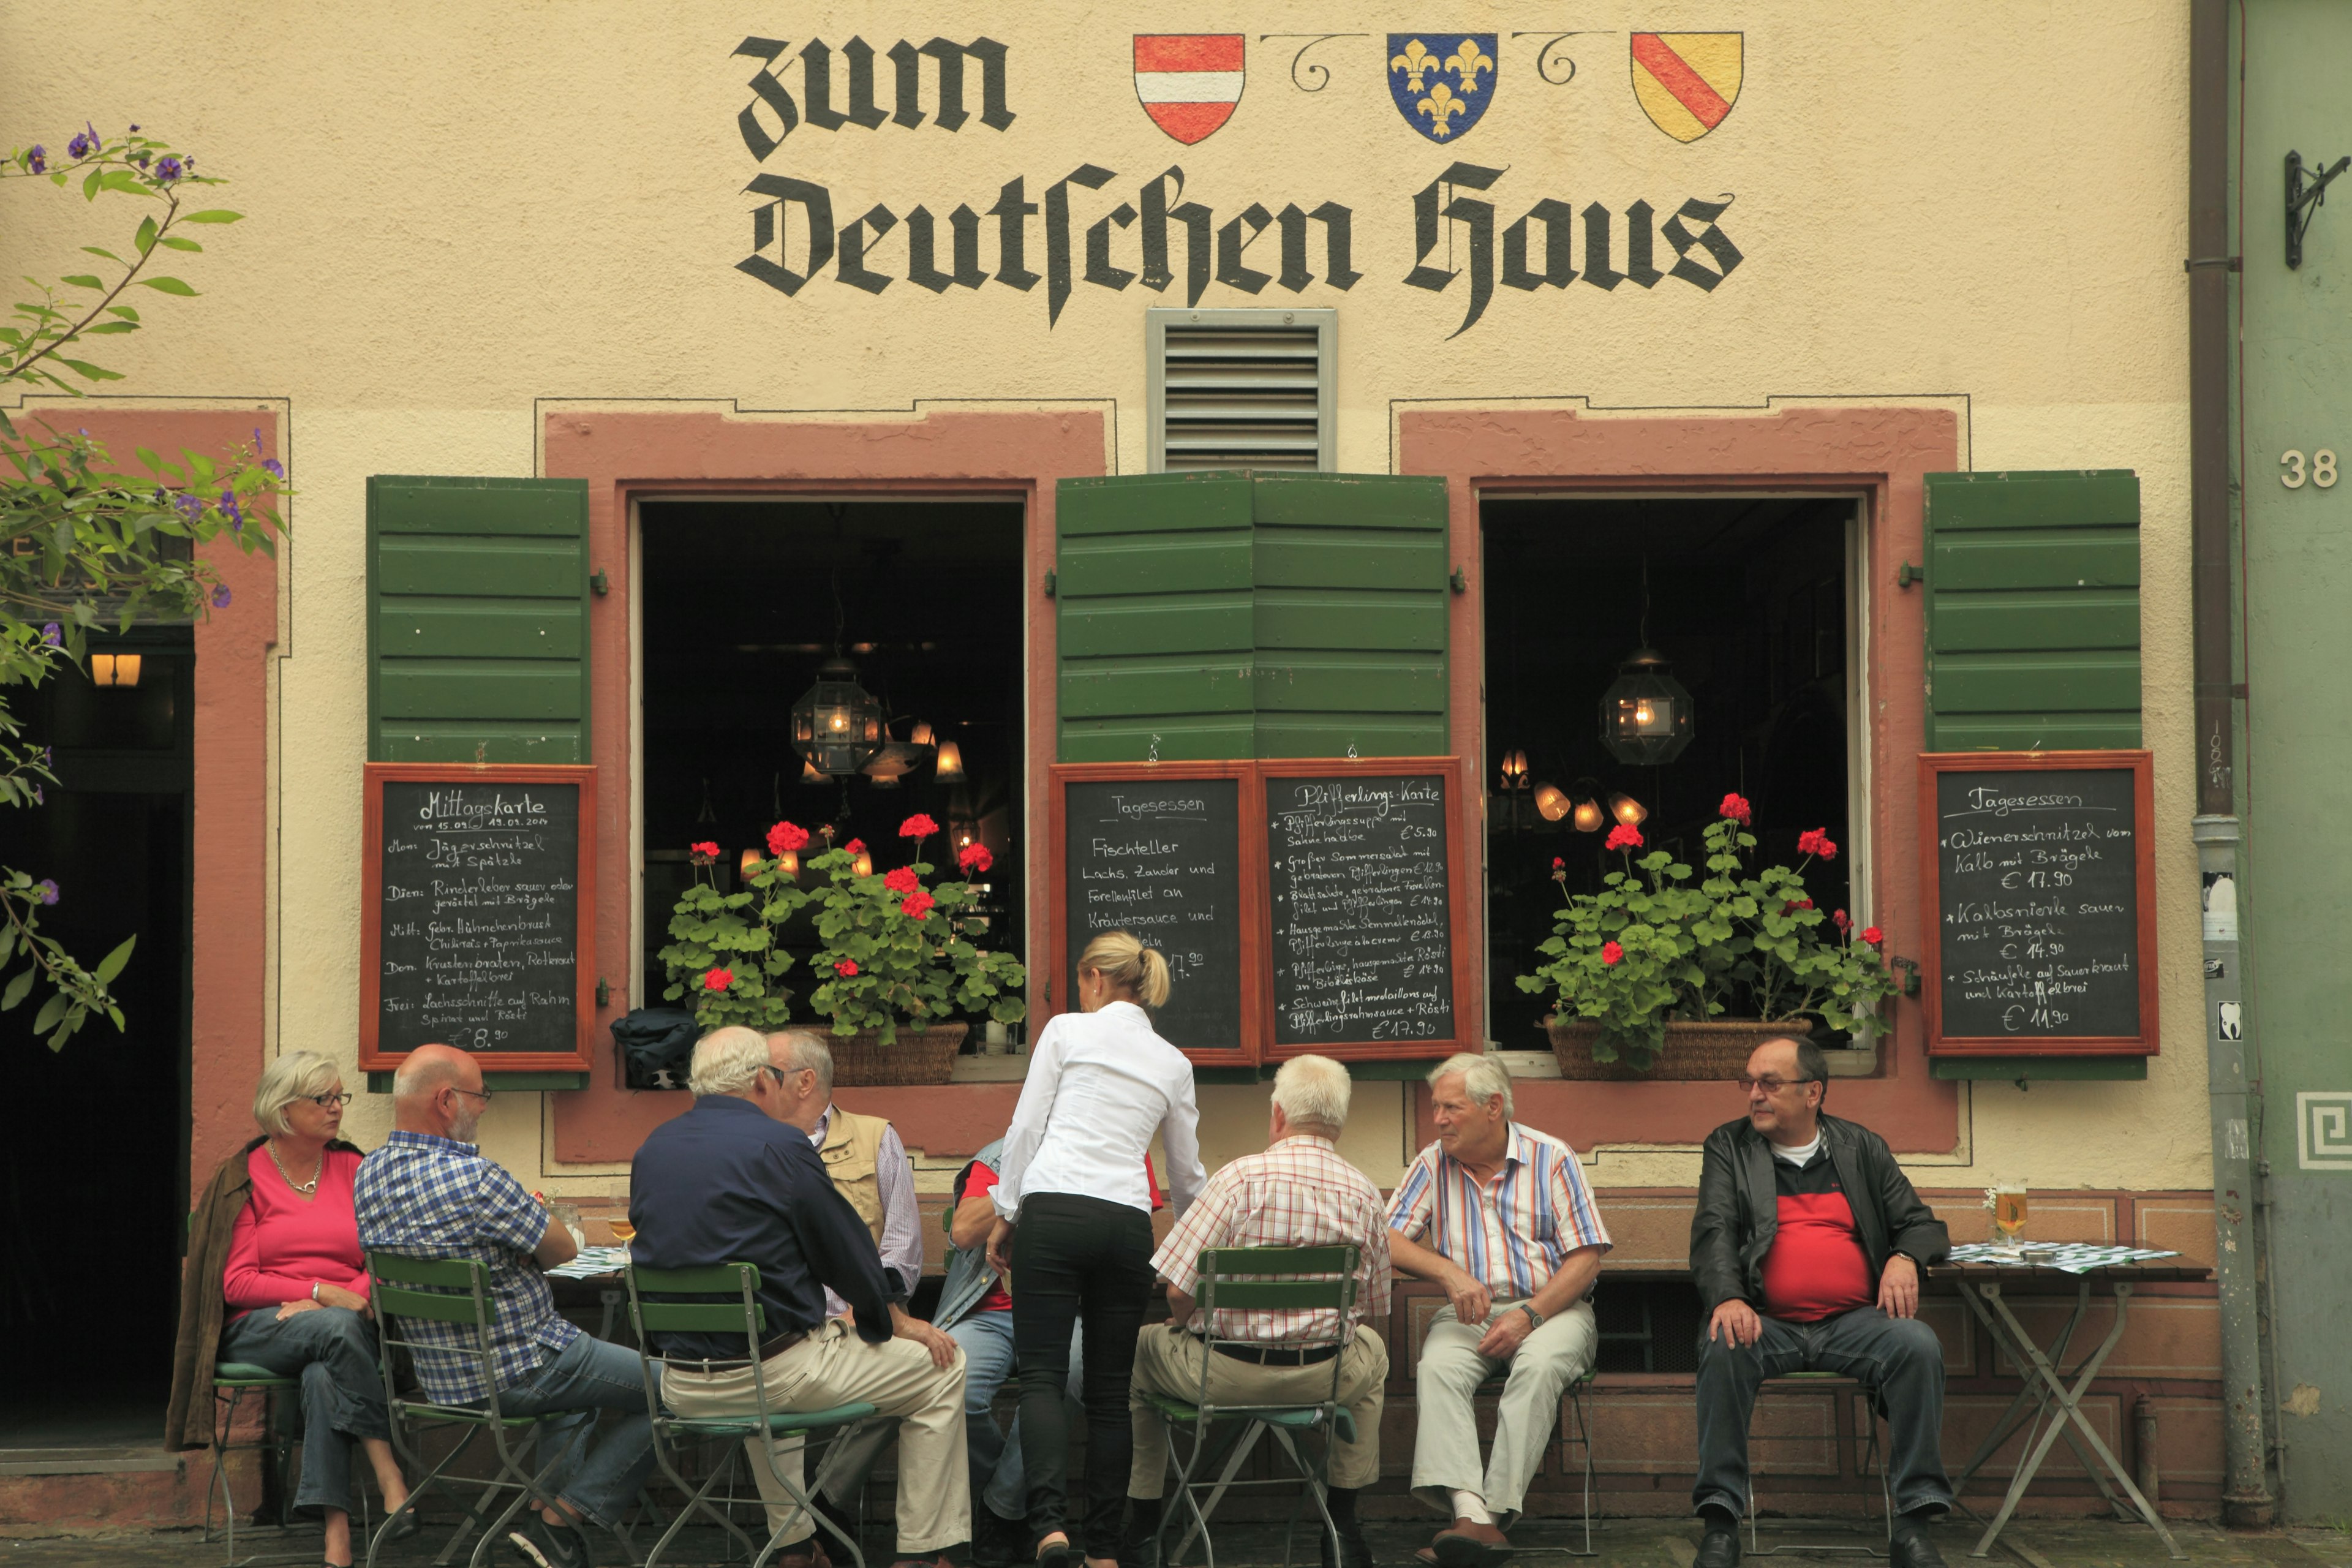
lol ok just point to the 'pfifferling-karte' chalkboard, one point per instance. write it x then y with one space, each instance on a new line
1161 857
478 916
2038 886
1361 919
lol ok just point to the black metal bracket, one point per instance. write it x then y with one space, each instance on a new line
2303 200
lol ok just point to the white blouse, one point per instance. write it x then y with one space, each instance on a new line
1099 1085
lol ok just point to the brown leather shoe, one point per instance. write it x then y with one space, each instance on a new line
1468 1545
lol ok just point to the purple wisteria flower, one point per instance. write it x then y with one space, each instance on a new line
47 890
221 598
52 634
37 158
169 169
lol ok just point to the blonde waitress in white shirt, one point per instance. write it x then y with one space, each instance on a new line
1074 1224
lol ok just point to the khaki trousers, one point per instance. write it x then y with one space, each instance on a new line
1445 1445
1169 1363
833 1366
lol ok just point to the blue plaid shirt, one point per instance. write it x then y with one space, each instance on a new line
423 1197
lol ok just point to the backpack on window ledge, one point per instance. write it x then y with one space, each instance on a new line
656 1045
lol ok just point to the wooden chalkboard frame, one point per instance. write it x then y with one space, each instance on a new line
1249 805
1933 766
1457 907
376 775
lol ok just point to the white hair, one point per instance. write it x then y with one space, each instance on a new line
296 1074
810 1053
1483 1078
1313 1090
728 1060
414 1079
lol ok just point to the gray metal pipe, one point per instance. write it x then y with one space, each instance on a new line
2246 1500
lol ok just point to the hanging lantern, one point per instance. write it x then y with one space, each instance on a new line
1646 714
837 725
950 764
1627 810
1588 815
1551 805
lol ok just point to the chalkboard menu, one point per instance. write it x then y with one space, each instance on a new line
2041 877
1360 882
476 928
1161 857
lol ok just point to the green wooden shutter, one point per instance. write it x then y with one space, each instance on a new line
1351 614
2033 611
477 620
1249 615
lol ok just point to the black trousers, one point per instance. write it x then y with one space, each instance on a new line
1078 1259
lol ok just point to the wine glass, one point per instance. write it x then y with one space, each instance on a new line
625 1231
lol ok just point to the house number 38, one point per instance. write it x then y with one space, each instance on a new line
2323 469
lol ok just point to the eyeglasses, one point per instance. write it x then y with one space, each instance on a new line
330 1101
1770 1085
482 1094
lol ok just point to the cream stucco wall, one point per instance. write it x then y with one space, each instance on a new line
455 210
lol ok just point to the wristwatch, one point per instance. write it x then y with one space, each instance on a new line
1535 1319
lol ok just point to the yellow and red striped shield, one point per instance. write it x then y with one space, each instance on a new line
1687 83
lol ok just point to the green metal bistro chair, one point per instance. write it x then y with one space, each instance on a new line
1874 1457
1261 1278
737 1311
232 1380
449 1291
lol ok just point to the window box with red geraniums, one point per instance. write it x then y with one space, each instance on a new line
898 955
724 959
1656 965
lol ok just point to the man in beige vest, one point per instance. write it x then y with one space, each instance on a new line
869 1167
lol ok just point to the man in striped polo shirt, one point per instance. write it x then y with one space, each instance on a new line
1499 1214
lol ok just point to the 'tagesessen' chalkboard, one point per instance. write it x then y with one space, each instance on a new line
476 912
1161 857
2040 877
1361 924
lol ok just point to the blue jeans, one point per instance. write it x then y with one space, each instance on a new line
998 1478
588 1375
332 1351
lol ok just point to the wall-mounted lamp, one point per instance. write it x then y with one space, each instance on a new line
749 866
863 864
1551 805
114 669
1628 810
950 764
1589 817
1515 770
788 863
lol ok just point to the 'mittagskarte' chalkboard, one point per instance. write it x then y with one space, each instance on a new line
2041 875
479 906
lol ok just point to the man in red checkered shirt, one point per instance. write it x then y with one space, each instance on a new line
1299 1192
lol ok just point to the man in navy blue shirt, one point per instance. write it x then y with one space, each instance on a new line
731 1182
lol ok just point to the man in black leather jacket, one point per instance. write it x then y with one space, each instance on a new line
1806 1249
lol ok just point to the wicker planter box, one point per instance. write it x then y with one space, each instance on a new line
920 1056
1693 1053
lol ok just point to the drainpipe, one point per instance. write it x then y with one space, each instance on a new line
2246 1500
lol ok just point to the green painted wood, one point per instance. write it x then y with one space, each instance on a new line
478 643
505 1082
2032 610
2008 1069
1238 615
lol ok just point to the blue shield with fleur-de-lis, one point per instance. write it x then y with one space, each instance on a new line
1442 83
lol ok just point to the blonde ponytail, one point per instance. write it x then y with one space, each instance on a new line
1139 972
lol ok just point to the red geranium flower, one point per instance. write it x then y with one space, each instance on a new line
846 968
1624 836
917 826
1795 904
1841 921
703 853
1612 953
974 859
1816 842
854 847
917 905
1557 864
1735 808
902 881
718 979
1873 935
783 839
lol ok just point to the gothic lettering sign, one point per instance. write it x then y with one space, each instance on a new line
478 904
2040 879
1475 224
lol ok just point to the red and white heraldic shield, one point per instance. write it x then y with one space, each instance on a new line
1189 82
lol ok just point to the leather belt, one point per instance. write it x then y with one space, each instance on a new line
768 1352
1269 1356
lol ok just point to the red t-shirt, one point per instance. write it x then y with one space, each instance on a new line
979 1181
1816 1267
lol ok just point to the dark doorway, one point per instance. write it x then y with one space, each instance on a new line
740 602
1747 599
93 1175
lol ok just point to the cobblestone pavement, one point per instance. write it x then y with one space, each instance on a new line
1621 1543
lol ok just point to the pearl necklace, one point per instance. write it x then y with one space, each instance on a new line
307 1189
